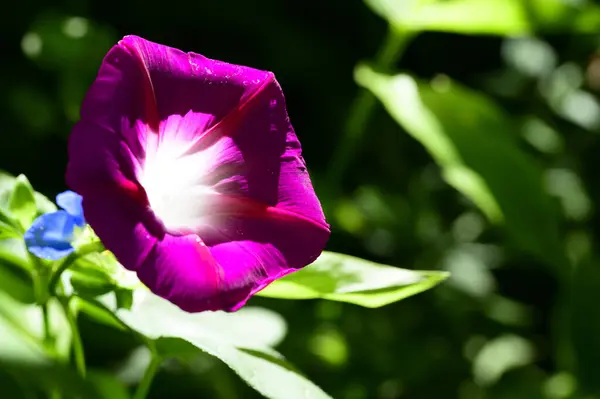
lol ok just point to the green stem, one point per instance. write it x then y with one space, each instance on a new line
363 106
144 386
41 293
40 281
46 316
86 249
78 352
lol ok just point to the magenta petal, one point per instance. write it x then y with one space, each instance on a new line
128 230
183 82
255 214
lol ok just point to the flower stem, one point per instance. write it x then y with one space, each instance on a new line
78 352
46 317
86 249
363 106
144 386
41 294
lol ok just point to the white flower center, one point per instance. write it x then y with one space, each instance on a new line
174 186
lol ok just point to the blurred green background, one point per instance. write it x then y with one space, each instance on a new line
491 174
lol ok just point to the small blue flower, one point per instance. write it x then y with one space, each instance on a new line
51 235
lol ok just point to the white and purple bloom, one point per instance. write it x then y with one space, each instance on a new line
192 175
51 235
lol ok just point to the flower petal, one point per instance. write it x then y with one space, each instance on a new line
50 235
104 144
227 128
183 82
134 102
274 172
71 202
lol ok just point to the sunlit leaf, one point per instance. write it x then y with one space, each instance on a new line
28 319
90 282
255 328
7 187
23 355
14 251
473 142
493 17
349 279
463 16
563 16
7 184
6 230
91 275
100 273
242 340
44 205
98 311
22 202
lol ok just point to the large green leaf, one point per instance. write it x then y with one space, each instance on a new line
473 142
494 17
349 279
242 340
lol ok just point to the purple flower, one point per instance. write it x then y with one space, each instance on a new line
192 175
51 235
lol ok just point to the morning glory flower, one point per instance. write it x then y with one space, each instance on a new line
192 175
51 235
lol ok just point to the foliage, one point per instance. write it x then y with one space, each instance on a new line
465 145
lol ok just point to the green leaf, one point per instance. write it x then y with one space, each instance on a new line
9 226
91 283
242 340
14 251
345 278
43 204
7 184
16 282
23 355
98 311
89 278
488 17
124 298
255 328
28 319
99 273
472 140
7 230
107 386
7 187
556 16
22 203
